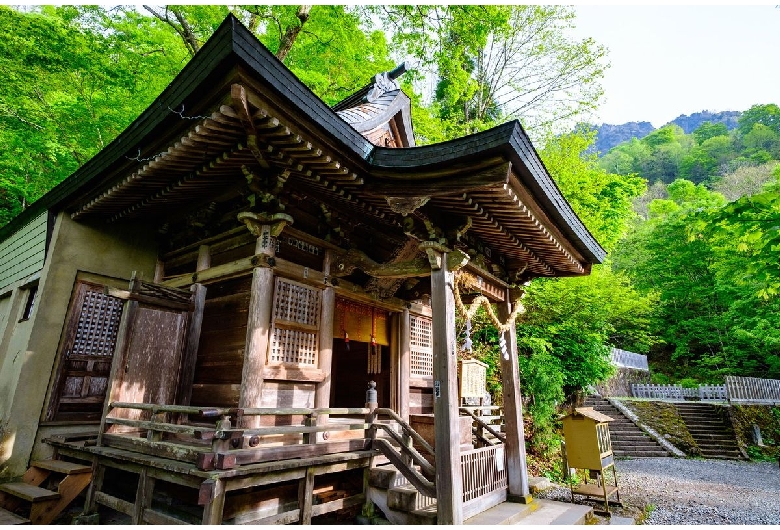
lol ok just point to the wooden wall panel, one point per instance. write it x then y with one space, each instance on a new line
420 401
222 342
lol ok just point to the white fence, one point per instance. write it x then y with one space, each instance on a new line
678 393
753 389
736 389
627 359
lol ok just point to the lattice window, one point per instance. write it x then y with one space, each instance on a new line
97 326
421 346
295 324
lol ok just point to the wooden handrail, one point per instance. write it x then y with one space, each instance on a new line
423 485
219 411
419 459
405 426
484 425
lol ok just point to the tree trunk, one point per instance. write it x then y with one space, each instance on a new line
288 39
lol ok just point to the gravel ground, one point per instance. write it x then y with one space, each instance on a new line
688 491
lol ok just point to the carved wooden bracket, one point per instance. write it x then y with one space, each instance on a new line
406 205
255 221
353 259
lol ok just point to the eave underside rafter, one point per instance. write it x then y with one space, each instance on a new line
245 132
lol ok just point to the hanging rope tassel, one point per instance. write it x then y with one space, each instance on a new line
483 301
467 344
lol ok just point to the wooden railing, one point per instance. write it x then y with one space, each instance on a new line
224 445
484 477
752 389
481 425
405 456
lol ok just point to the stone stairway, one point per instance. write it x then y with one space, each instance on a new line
402 504
398 500
712 434
628 440
34 501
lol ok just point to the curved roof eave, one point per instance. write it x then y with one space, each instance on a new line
510 141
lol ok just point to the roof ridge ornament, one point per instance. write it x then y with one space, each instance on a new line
382 85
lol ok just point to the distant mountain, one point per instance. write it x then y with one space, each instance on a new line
692 122
608 136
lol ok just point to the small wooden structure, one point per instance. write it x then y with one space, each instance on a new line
588 447
286 253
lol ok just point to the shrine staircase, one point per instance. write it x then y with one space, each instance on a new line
628 440
46 489
401 481
714 436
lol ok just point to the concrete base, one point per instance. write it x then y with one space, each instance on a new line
539 512
522 499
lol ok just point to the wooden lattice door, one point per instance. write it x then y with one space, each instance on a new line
86 354
151 346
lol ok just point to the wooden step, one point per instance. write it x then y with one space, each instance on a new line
27 492
61 466
8 518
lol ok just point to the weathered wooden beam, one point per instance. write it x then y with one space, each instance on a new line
165 450
517 471
143 496
449 482
258 327
252 456
325 346
338 504
414 268
190 353
306 496
405 371
114 503
212 497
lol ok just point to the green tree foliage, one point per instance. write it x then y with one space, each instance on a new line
713 266
68 89
500 62
708 130
603 200
767 115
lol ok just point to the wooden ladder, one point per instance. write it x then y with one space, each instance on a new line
44 504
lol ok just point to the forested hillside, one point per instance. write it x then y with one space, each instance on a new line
707 244
609 136
692 279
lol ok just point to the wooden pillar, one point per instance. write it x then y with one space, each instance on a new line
190 355
212 498
204 258
517 472
159 271
258 329
325 356
143 496
449 482
405 371
395 363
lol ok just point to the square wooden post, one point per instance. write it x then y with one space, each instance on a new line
258 329
405 370
449 482
325 354
517 472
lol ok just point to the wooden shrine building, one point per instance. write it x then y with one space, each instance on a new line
198 311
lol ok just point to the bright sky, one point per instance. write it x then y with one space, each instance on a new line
672 60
